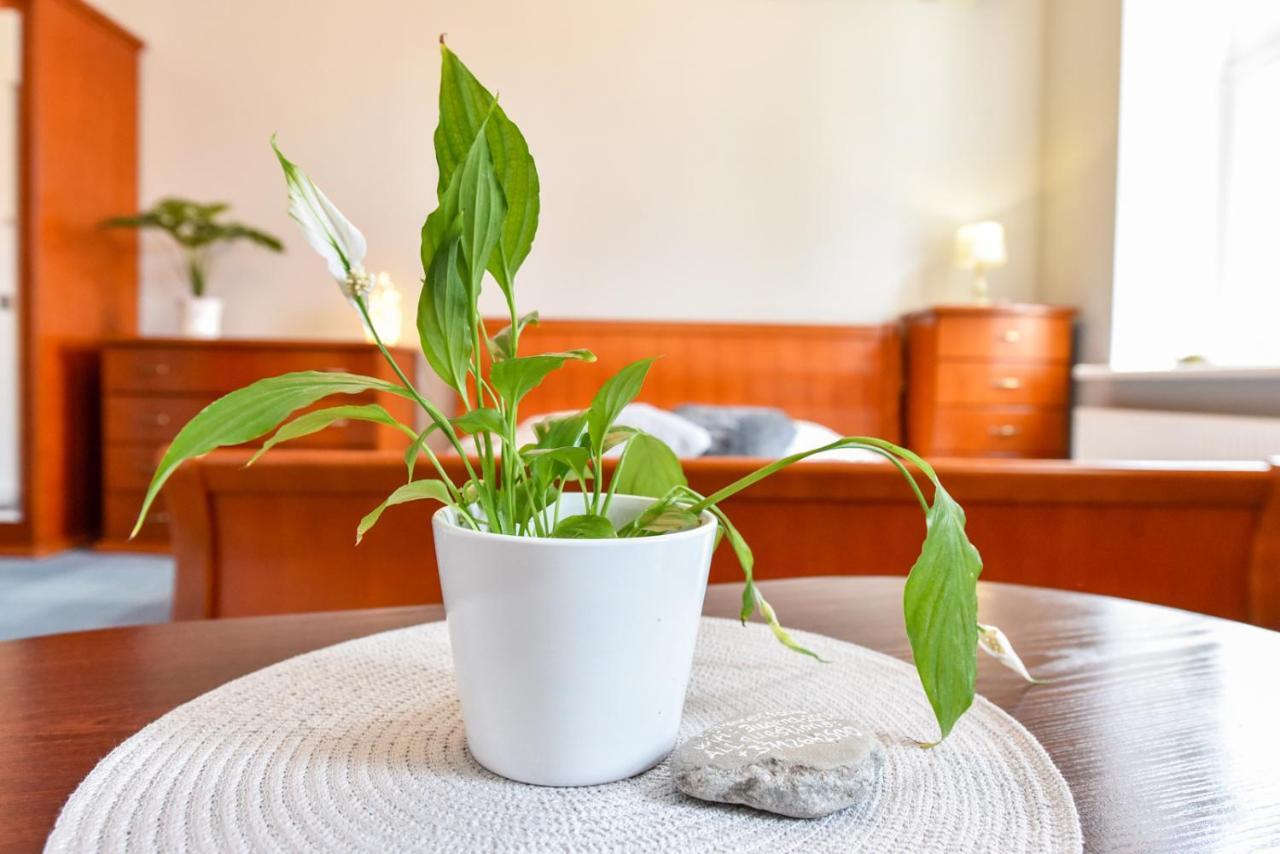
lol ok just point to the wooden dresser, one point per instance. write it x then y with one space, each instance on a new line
152 386
989 381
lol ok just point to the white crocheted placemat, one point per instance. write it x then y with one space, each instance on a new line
360 747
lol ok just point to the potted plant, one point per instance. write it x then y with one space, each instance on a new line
573 599
196 230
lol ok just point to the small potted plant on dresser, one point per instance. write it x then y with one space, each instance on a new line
573 599
197 231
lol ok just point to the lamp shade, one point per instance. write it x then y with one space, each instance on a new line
980 244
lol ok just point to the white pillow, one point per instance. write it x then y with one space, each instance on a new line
682 435
810 435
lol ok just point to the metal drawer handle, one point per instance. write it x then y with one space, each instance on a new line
1004 431
161 419
1007 383
1011 336
160 369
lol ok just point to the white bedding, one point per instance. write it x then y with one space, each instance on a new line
690 440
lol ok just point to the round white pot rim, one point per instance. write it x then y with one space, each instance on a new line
446 517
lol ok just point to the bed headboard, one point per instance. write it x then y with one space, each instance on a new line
846 377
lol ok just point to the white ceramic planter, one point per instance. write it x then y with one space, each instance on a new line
572 656
200 317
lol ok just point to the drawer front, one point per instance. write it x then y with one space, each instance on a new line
1024 383
215 371
993 431
1012 338
154 421
130 466
120 511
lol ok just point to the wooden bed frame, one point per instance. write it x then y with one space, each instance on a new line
279 537
846 377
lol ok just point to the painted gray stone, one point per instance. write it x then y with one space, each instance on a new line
803 765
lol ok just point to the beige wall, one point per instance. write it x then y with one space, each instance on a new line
1080 119
729 159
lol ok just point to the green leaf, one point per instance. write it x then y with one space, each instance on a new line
584 527
445 315
251 412
464 102
617 434
480 420
412 452
550 463
752 599
561 431
670 520
314 422
940 603
512 379
473 194
649 467
503 343
418 490
617 392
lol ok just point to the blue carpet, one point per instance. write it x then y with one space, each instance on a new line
83 590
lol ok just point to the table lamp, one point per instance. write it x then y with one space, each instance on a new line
384 302
980 247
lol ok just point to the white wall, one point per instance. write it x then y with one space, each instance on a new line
1080 100
792 160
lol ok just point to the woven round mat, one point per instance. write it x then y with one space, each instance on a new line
360 747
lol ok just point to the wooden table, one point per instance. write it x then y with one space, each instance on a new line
1162 721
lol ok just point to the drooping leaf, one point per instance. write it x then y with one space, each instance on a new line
250 412
464 102
445 314
414 450
512 379
584 527
649 467
617 435
314 422
617 392
502 344
330 234
752 599
480 420
940 604
418 490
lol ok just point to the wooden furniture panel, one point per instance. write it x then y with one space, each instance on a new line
1183 537
77 283
1150 713
989 381
846 377
1001 383
996 431
1005 335
152 387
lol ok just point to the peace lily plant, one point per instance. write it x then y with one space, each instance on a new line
484 223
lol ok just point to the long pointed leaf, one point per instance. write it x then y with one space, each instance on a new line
418 490
314 422
251 412
445 314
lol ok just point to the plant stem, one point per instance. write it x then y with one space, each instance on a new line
195 268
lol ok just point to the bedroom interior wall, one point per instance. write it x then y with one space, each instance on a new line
1081 106
719 159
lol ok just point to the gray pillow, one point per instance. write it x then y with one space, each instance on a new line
742 431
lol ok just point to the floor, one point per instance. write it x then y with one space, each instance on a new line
80 590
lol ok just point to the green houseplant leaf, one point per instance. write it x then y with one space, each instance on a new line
464 103
584 527
514 378
940 603
314 422
649 467
250 412
617 392
503 342
482 419
445 313
418 490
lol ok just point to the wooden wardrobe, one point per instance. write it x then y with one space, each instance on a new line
78 164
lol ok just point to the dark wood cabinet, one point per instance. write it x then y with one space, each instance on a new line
152 386
989 381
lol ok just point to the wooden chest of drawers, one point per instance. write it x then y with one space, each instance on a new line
152 386
989 381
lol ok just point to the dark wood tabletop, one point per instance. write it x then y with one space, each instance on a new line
1162 721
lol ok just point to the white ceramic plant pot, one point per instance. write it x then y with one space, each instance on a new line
200 317
572 656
